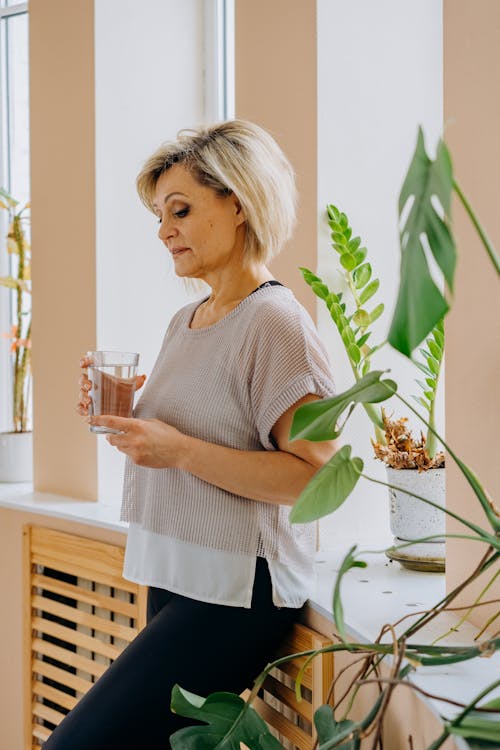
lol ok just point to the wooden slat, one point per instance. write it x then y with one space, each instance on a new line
80 571
287 696
42 690
44 712
284 726
83 595
40 732
322 675
291 668
68 657
83 618
75 638
97 557
44 669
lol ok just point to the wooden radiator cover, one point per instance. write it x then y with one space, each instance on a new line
80 614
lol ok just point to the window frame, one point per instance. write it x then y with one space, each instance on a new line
6 311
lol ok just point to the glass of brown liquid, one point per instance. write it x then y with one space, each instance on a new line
112 375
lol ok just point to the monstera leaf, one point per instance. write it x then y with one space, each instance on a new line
317 420
421 304
228 721
330 730
328 488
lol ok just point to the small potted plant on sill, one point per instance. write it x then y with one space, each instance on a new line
16 444
412 463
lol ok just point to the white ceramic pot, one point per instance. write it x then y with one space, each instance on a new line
16 456
411 518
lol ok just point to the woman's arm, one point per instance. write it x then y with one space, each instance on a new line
272 476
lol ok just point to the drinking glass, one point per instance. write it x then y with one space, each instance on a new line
112 375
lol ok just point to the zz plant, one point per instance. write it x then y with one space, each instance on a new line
231 723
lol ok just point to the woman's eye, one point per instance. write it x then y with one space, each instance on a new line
181 213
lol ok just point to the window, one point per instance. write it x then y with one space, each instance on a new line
14 161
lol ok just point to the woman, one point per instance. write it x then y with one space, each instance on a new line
210 471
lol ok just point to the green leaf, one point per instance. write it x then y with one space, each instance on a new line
369 291
360 255
361 318
431 382
220 712
339 239
434 349
354 244
333 212
362 275
377 312
354 354
433 365
320 290
347 336
328 488
429 395
348 261
439 338
479 726
328 729
344 221
317 420
420 304
363 339
309 276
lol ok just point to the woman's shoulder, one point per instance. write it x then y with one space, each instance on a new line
278 306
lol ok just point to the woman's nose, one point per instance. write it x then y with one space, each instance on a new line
166 230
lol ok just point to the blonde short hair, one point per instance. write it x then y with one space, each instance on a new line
236 157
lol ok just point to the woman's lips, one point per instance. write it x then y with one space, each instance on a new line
179 251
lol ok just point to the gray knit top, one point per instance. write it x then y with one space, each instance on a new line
228 384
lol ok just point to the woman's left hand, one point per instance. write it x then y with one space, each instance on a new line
147 442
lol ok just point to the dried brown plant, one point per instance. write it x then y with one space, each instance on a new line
402 451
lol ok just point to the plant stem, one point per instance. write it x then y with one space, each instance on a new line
475 221
469 610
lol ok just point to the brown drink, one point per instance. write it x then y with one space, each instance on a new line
112 375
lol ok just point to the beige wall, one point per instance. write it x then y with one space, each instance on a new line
472 122
275 49
63 238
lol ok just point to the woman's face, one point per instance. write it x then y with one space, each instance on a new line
204 232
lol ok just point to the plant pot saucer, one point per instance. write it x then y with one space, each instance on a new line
426 557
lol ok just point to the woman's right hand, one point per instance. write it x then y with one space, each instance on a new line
84 399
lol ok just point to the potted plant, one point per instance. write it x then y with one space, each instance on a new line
16 444
230 719
412 463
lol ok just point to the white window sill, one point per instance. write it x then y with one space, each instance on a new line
381 593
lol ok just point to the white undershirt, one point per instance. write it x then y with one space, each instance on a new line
208 575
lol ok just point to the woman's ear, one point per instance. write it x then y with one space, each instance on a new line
238 210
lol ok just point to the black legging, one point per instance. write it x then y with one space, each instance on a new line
202 647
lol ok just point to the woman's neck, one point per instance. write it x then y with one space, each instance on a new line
227 294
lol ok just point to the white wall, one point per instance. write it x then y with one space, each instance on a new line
379 77
149 68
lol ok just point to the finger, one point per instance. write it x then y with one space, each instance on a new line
123 424
84 383
82 410
139 381
85 361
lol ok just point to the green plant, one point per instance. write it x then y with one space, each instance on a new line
394 443
229 718
19 282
